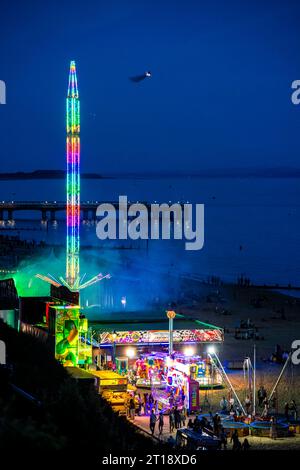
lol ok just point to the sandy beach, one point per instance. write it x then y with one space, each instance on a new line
276 318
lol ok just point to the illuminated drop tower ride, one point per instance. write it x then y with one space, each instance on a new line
73 280
73 181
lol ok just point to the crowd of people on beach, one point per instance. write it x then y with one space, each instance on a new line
175 418
164 421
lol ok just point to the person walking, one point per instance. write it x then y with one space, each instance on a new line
223 438
245 445
171 420
286 411
151 402
273 428
132 409
216 424
236 445
160 423
183 416
219 424
152 421
190 424
177 418
294 410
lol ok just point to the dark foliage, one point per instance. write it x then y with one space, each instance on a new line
65 417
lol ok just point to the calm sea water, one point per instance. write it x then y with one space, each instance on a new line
252 226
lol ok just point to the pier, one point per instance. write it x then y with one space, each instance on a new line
48 209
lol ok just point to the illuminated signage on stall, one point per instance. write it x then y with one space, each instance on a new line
161 336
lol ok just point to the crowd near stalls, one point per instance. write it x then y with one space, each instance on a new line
174 380
166 389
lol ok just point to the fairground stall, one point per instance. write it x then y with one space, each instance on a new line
113 387
174 378
151 369
180 391
147 332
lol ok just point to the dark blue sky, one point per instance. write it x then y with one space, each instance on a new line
219 95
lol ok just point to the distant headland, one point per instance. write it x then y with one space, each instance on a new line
43 174
277 172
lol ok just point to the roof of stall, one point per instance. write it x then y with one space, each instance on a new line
124 321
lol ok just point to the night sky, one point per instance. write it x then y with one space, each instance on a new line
219 96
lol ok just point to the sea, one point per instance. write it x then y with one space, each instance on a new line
252 225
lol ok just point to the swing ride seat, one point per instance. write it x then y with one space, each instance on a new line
262 429
294 424
231 426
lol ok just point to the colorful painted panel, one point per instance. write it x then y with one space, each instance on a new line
161 336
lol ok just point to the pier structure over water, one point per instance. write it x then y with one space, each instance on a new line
49 209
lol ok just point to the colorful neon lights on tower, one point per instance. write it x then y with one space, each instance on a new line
73 181
73 281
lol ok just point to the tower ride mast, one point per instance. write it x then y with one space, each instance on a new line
73 181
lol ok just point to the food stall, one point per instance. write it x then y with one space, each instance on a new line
112 387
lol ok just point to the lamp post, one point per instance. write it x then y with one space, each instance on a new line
171 315
114 336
